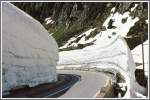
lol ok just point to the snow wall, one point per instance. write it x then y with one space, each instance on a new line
115 55
29 52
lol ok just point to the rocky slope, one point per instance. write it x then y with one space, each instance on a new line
69 19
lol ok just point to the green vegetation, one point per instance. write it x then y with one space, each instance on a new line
62 33
80 46
92 34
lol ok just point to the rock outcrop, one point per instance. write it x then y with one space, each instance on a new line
29 52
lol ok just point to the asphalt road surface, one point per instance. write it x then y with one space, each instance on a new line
87 86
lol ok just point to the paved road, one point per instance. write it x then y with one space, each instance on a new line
89 84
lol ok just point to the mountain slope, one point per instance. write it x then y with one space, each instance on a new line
70 19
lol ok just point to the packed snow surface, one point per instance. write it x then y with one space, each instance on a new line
29 53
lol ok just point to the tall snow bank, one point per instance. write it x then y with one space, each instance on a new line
29 53
116 55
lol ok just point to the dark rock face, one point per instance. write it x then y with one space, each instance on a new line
137 32
38 10
72 18
61 11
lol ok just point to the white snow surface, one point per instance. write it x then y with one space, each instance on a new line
29 53
49 20
107 53
121 29
134 7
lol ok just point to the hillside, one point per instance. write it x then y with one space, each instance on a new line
69 19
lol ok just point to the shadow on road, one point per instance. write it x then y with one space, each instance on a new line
47 90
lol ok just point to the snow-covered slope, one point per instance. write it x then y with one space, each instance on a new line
107 36
29 53
109 51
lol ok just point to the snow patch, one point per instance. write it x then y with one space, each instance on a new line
113 9
81 41
133 8
147 21
49 20
121 29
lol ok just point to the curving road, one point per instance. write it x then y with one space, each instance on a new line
89 84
